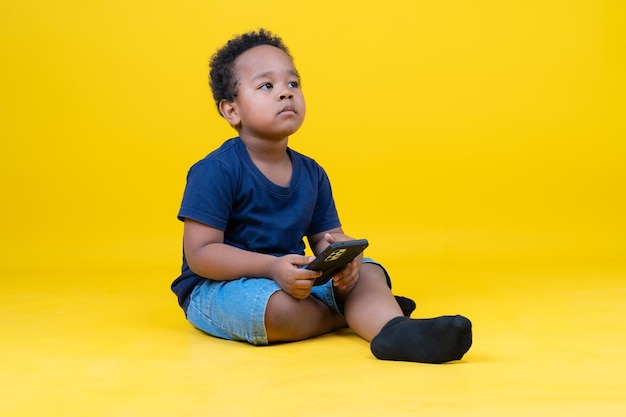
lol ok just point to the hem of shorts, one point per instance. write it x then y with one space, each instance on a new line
261 339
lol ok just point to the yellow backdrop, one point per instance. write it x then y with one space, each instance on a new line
479 146
483 131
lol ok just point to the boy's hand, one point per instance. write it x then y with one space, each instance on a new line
346 279
294 280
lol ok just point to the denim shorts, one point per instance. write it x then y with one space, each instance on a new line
235 310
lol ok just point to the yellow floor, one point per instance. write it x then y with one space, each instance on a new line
548 341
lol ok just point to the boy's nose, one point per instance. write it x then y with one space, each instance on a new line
286 96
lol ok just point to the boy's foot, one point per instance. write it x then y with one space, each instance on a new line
436 340
406 305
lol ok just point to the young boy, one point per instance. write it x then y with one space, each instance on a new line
247 207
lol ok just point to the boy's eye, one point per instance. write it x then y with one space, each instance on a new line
294 84
266 86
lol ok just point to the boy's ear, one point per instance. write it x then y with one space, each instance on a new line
229 111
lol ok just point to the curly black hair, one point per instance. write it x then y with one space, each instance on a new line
222 77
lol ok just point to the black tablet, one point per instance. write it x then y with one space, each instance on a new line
335 257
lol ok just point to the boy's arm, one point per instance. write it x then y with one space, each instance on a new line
208 256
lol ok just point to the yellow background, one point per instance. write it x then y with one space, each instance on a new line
460 137
466 130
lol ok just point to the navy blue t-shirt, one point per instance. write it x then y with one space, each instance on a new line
227 191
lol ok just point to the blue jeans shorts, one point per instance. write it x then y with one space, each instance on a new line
235 310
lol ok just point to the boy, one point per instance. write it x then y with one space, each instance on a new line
247 207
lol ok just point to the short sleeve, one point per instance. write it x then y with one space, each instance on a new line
325 215
209 194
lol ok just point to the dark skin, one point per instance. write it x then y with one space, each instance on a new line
268 108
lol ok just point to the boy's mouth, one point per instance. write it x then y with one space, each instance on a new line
288 109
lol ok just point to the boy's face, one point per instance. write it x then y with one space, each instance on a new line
269 102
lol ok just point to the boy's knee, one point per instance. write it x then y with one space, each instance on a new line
372 272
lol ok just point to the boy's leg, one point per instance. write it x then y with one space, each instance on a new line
288 319
373 313
370 305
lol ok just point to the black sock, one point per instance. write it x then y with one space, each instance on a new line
436 340
406 305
